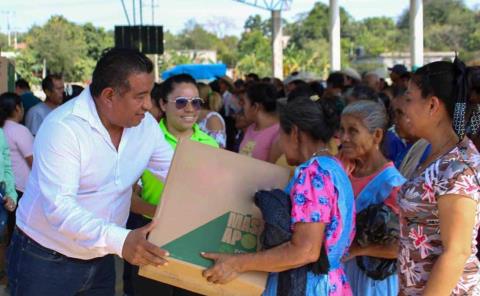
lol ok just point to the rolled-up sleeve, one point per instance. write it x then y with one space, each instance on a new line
58 165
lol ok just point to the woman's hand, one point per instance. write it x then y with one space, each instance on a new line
354 251
10 204
225 269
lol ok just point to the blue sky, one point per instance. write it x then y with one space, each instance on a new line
173 14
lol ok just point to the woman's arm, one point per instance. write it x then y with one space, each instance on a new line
374 250
302 249
139 206
29 160
457 220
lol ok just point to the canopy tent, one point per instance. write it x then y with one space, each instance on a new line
198 71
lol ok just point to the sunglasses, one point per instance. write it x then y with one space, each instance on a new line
181 102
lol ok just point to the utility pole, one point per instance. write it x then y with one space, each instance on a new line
125 11
141 13
134 14
153 12
8 13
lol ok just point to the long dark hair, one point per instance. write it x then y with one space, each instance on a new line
8 103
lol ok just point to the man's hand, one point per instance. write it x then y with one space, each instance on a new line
138 251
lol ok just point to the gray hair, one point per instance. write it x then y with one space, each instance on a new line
373 114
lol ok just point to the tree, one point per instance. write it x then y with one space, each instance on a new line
448 25
377 35
62 44
97 40
255 54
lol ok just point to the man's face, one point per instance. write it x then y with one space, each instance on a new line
55 95
128 107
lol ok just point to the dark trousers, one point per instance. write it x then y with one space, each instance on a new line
144 286
36 270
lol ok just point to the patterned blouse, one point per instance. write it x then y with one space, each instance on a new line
314 199
420 241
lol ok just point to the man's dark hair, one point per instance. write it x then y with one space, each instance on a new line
114 68
253 76
336 80
22 84
47 82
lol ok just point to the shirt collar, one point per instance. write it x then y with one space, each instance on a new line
84 107
172 139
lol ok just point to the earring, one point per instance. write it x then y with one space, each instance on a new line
459 119
474 121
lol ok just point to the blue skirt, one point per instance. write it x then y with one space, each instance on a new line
362 285
317 285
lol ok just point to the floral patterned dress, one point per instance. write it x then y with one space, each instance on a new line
420 241
321 192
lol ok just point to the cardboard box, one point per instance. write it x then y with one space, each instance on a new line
7 75
207 206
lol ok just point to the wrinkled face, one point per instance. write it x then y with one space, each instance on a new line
55 95
416 110
356 139
128 107
289 144
184 118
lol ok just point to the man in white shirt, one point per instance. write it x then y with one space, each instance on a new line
88 153
53 88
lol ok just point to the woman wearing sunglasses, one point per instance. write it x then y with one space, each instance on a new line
181 106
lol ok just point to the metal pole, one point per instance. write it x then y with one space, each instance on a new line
277 46
8 30
134 14
416 33
125 11
335 49
141 13
153 12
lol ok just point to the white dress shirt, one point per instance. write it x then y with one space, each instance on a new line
78 195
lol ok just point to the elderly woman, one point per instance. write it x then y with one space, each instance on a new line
375 181
439 206
321 216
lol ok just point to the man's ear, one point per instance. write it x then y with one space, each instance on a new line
107 95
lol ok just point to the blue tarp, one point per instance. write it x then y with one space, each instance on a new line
198 71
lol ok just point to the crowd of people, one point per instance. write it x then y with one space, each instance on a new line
384 196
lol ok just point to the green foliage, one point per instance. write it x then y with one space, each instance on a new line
255 54
61 44
73 49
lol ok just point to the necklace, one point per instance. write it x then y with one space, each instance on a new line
320 151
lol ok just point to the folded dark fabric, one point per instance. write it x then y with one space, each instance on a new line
276 209
377 224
